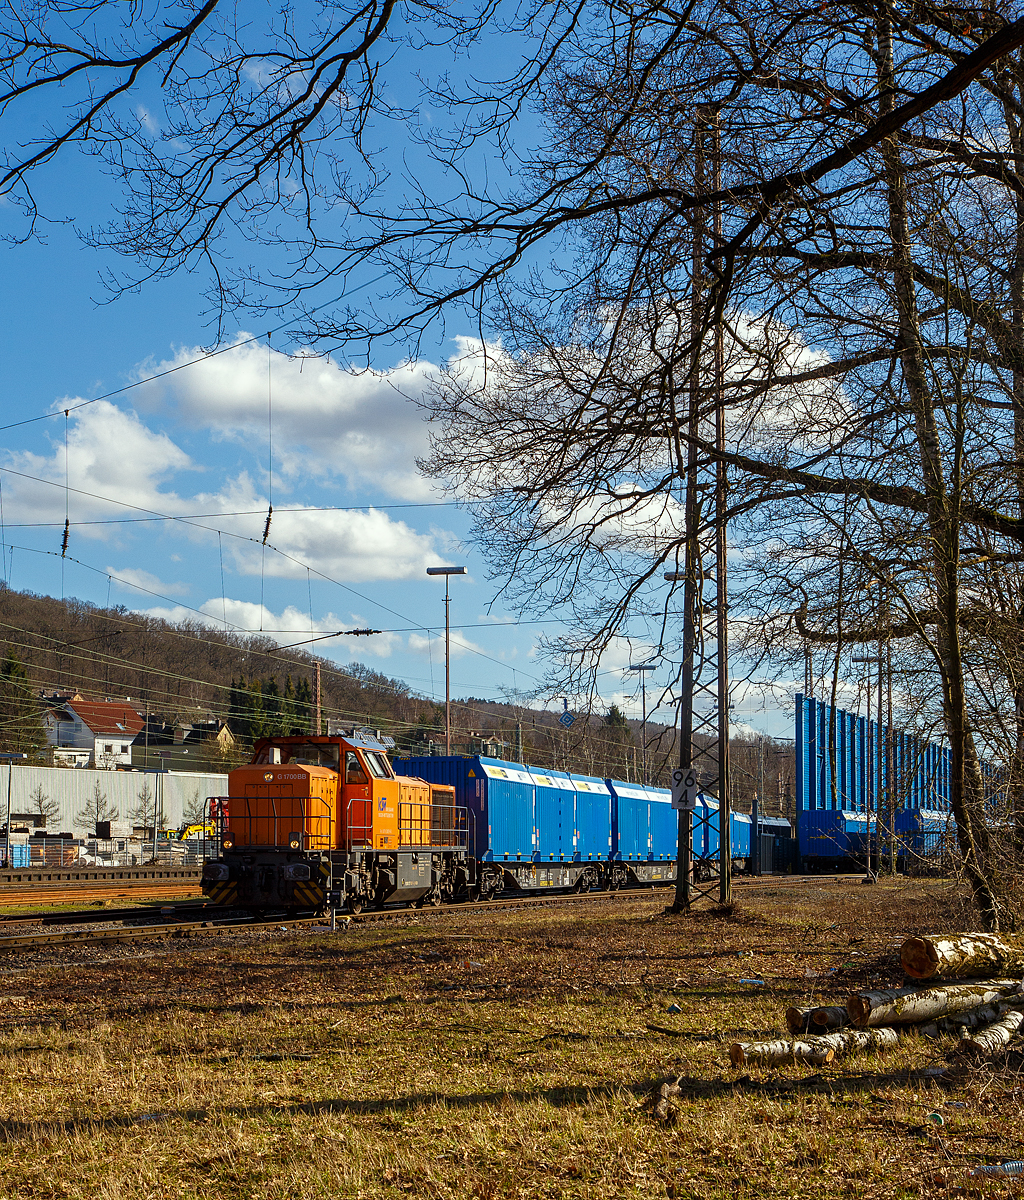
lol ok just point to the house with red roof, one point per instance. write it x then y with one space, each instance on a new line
103 728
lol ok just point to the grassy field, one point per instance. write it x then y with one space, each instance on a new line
491 1054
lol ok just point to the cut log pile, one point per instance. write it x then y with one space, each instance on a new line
983 1005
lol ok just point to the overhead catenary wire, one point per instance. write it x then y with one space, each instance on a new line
247 512
236 345
175 699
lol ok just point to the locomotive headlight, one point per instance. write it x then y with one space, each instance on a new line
295 841
228 840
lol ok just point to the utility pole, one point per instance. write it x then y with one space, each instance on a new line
447 572
316 700
704 678
642 669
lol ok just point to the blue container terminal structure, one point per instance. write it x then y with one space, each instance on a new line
862 786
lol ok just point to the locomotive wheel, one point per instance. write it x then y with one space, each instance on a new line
433 899
355 906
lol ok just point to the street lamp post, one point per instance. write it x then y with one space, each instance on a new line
642 669
10 759
446 572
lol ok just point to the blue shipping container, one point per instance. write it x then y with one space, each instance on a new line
498 795
554 815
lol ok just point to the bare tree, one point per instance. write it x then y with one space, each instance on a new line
44 805
97 808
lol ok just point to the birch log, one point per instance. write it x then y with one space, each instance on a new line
964 1022
798 1020
911 1006
962 956
994 1037
779 1053
852 1041
830 1016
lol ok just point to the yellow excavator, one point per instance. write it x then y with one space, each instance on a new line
188 830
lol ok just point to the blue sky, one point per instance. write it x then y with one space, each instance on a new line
195 445
355 524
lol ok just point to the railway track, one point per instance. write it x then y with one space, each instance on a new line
28 897
210 921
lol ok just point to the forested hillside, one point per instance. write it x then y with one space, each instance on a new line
186 671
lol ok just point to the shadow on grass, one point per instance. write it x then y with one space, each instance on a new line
690 1088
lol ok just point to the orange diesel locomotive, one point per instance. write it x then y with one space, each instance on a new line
317 822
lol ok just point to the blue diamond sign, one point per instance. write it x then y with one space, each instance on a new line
567 718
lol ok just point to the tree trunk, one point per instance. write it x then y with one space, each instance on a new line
962 956
774 1054
798 1020
994 1037
961 1024
911 1006
852 1041
943 518
832 1016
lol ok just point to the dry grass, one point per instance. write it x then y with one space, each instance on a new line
493 1054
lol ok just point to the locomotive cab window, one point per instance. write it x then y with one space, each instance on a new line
354 772
377 763
308 754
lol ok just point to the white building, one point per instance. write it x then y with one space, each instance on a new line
104 729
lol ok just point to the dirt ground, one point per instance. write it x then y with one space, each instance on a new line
493 1053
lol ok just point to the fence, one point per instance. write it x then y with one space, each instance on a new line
110 852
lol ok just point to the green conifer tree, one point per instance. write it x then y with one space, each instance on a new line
272 713
21 718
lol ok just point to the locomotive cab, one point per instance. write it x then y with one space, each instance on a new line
317 822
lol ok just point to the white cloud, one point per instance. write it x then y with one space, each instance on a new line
110 454
143 581
460 645
353 546
362 427
289 626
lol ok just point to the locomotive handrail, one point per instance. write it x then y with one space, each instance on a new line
224 810
421 823
366 829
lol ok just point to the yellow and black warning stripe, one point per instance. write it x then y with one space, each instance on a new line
222 893
311 893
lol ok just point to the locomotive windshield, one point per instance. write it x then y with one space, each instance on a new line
306 754
378 763
309 754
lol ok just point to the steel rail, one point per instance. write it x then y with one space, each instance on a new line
214 921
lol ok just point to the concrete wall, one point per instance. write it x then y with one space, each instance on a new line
72 787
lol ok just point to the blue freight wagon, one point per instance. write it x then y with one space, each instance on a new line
922 837
548 829
644 827
833 839
534 828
